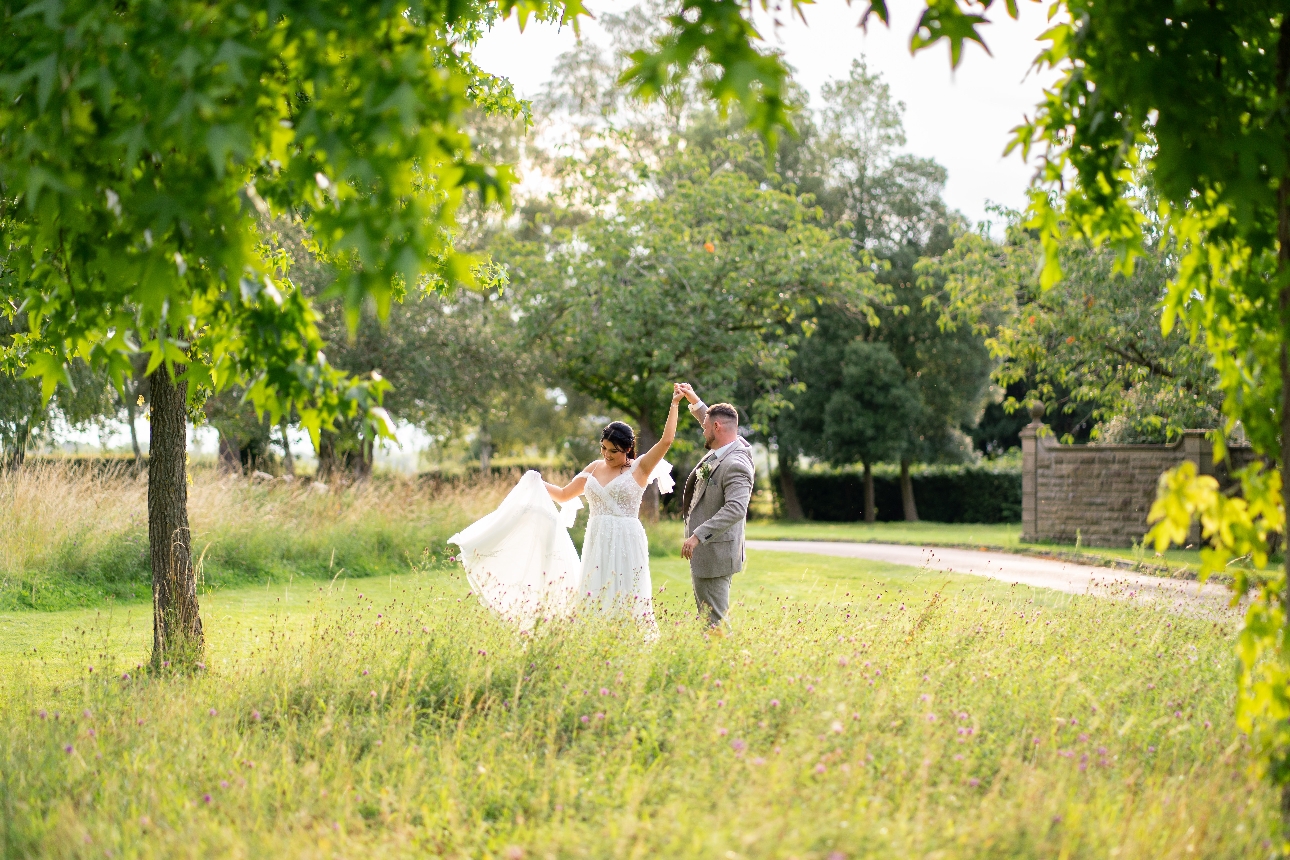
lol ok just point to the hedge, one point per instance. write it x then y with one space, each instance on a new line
947 494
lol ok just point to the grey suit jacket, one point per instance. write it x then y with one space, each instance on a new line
715 511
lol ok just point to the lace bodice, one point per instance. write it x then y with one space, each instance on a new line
621 497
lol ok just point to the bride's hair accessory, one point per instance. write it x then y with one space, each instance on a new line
620 435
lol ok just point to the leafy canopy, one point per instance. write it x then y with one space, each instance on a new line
142 145
1091 346
706 282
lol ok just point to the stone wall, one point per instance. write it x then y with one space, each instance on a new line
1102 493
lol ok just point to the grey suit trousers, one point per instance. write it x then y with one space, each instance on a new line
712 594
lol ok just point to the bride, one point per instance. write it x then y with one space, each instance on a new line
521 561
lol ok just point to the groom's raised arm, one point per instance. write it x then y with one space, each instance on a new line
697 407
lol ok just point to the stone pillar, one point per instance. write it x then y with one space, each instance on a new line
1029 474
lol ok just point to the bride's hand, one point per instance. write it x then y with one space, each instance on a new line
677 393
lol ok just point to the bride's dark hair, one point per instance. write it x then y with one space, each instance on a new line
620 435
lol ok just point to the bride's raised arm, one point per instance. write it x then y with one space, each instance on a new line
571 490
645 465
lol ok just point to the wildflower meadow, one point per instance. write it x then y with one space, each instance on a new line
852 710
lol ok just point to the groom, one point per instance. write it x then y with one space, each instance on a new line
715 505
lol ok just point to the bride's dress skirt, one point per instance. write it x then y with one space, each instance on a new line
521 562
519 559
615 567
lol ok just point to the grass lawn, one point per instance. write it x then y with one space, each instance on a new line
855 710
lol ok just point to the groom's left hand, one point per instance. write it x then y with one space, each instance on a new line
687 548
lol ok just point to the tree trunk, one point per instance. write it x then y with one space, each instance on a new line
288 462
646 438
870 509
485 449
20 439
176 623
362 464
130 413
1283 272
786 460
907 493
326 455
229 458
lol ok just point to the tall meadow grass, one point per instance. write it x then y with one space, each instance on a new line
949 726
74 537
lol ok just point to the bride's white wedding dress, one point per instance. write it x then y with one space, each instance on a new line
521 562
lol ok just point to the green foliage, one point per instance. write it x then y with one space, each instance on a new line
141 144
703 284
1194 97
856 405
382 717
1091 345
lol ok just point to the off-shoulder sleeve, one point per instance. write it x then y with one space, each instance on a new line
663 474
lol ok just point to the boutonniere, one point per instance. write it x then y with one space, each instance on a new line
705 471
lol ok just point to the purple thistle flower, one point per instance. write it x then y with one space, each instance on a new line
820 768
68 749
585 719
214 712
206 797
774 703
738 745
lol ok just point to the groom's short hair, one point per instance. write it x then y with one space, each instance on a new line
725 413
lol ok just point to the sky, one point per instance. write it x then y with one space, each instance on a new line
961 118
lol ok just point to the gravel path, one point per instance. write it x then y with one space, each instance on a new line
1009 567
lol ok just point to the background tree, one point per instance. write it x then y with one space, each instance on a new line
888 205
25 415
1091 347
141 145
697 285
858 406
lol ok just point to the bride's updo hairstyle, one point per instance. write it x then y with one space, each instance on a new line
620 435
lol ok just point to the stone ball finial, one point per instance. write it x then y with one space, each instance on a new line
1037 411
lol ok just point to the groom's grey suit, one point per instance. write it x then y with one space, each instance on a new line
715 511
